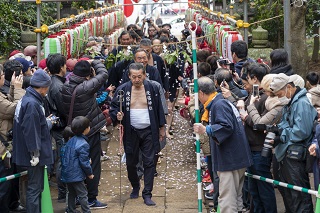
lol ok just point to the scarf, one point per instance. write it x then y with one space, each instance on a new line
205 115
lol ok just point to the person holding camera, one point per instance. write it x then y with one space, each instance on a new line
86 80
263 195
9 190
294 134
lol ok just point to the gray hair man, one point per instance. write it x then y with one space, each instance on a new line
229 146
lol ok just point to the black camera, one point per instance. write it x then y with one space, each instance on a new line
223 61
148 20
267 145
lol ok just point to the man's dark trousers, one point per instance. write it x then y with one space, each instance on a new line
141 138
5 188
294 172
34 189
262 193
95 153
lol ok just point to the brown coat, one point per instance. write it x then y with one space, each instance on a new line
7 108
273 114
314 96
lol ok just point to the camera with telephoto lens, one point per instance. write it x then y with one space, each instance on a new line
267 145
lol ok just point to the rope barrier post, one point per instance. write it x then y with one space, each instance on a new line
120 99
318 201
10 177
197 119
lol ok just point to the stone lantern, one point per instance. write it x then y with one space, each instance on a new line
259 37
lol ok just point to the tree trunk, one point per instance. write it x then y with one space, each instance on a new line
299 53
315 31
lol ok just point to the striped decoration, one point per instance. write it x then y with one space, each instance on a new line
72 42
51 46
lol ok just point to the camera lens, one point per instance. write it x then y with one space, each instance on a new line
267 145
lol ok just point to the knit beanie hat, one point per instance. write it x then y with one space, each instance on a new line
14 52
82 69
25 64
297 80
278 82
43 64
40 79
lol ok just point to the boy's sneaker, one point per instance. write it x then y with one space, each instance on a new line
208 187
209 195
96 204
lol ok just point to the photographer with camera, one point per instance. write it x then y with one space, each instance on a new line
83 84
294 134
153 29
263 195
9 190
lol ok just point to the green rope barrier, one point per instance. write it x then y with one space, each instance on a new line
10 177
287 185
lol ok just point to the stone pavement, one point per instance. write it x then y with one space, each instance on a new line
175 188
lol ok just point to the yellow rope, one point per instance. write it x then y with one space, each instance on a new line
24 24
266 19
174 43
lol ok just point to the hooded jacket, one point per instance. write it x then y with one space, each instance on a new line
296 124
239 64
7 107
286 69
314 96
273 111
85 103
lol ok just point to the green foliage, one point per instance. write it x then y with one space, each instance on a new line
268 9
85 4
172 57
312 16
26 13
112 59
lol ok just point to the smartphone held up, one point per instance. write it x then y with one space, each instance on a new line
255 90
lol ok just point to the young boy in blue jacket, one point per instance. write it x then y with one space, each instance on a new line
76 164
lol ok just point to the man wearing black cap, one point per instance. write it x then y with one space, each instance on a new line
31 137
86 80
168 28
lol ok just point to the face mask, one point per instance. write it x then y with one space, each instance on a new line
284 98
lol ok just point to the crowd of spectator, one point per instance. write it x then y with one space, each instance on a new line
255 117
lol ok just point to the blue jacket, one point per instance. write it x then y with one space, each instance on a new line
229 146
31 131
75 160
296 124
316 165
